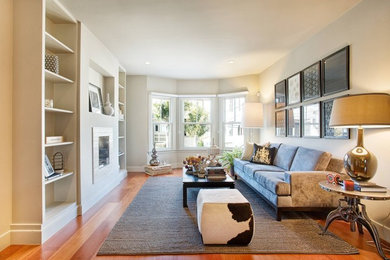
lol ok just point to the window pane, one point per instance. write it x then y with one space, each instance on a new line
197 135
239 105
197 111
160 110
233 135
161 136
229 110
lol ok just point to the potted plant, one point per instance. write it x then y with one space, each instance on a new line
227 158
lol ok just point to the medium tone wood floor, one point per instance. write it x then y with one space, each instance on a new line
82 237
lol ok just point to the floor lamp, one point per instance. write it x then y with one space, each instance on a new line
252 117
361 111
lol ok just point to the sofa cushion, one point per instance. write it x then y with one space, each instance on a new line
251 168
273 181
239 164
310 160
284 156
248 151
263 154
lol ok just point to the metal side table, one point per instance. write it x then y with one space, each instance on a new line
351 210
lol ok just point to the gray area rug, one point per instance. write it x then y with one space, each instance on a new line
155 223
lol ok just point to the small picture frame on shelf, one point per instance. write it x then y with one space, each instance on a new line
327 131
311 82
95 99
335 72
48 167
280 94
311 120
294 89
294 122
280 123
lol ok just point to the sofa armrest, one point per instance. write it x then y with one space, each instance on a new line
306 192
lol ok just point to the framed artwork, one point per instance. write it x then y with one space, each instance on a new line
294 122
330 132
280 94
311 120
311 82
280 123
95 99
294 89
335 72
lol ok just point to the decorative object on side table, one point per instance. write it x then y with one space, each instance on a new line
335 72
154 161
196 165
108 109
361 111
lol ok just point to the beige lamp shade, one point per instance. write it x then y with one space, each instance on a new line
363 110
252 115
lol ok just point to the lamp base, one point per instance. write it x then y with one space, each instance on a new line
359 163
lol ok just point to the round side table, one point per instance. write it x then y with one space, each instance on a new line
351 210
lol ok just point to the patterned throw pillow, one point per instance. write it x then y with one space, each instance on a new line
263 154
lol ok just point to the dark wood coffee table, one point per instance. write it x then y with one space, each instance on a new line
191 181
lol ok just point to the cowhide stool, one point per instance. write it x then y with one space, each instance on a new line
224 217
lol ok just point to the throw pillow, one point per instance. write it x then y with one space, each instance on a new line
248 152
263 154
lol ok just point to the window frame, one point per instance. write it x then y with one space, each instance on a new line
223 123
171 121
210 123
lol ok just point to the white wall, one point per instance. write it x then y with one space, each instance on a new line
96 62
6 49
366 28
138 89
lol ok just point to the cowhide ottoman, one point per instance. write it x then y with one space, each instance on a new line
224 217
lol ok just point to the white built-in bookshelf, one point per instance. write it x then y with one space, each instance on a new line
122 119
39 202
61 39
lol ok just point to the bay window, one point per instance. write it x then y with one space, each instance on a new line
161 122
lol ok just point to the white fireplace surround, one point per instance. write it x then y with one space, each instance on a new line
101 168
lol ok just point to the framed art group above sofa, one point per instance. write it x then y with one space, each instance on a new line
298 112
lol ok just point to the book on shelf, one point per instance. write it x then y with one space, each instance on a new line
370 188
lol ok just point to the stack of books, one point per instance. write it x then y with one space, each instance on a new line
215 173
369 187
156 170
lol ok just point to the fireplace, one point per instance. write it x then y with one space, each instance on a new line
102 151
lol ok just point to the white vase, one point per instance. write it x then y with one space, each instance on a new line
108 109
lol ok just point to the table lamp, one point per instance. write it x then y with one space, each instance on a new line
361 111
252 116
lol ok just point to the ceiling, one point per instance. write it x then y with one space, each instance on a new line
198 39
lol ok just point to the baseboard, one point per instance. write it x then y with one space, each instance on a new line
26 234
5 240
89 203
49 229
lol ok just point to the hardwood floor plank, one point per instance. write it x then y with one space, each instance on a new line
82 237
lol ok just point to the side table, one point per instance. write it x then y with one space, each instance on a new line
351 210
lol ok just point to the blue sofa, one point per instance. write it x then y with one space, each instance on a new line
291 183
